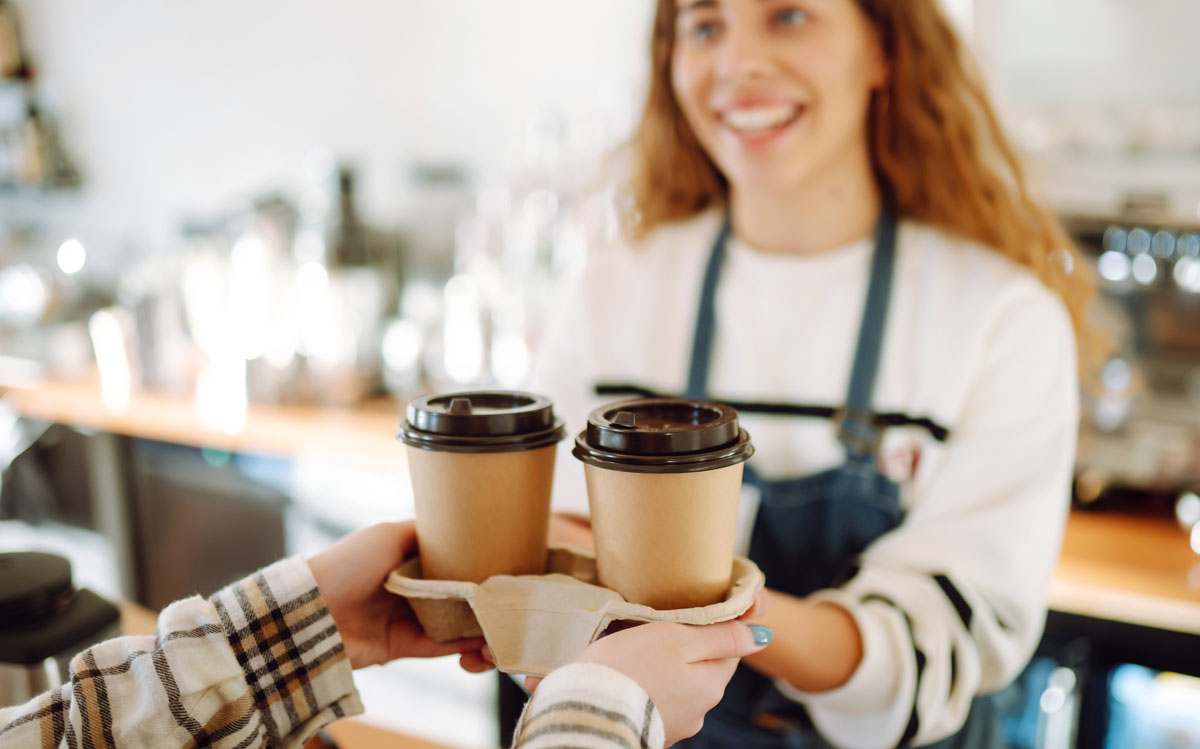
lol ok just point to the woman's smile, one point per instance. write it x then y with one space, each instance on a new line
753 123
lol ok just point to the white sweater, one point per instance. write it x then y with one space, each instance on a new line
973 341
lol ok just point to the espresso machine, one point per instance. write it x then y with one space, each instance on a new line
44 622
1140 441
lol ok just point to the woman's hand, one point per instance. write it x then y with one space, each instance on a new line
376 626
683 668
569 528
821 646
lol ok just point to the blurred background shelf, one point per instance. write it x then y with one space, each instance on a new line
366 431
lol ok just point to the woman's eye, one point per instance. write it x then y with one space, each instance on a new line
704 30
791 17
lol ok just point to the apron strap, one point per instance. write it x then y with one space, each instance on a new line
854 422
706 317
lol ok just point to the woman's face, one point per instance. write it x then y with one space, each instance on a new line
777 91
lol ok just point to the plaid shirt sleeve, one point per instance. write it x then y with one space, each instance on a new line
589 706
260 663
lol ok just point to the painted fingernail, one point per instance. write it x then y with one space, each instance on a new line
762 634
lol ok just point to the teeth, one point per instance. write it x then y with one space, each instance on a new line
759 119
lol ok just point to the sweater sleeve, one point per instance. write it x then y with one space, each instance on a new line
589 706
260 663
952 603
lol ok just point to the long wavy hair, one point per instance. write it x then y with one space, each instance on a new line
938 151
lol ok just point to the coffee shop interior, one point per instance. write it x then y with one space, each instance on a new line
236 239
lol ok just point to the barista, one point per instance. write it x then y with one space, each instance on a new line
829 231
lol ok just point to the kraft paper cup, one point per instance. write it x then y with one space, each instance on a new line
482 464
664 478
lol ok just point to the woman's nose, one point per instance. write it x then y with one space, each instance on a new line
742 53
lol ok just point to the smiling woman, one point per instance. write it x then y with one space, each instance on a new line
873 259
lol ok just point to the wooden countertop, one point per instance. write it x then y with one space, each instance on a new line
1131 569
368 430
1128 568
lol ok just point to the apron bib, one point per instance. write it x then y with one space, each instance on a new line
810 530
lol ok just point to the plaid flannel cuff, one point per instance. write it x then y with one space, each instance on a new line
589 706
289 649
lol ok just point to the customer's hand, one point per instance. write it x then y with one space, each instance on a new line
683 668
376 626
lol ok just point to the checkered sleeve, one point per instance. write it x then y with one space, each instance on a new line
258 664
286 644
589 706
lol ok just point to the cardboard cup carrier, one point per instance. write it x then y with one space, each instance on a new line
536 623
663 492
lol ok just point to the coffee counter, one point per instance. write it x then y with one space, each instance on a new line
366 431
1133 570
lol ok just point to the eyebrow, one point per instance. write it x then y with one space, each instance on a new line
699 4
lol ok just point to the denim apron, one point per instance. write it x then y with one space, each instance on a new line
810 530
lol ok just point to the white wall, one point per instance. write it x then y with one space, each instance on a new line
183 107
1095 51
172 107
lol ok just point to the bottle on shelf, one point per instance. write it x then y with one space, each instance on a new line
12 61
35 165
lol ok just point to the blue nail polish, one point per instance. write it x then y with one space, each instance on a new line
762 634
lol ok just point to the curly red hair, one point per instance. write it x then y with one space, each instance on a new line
937 147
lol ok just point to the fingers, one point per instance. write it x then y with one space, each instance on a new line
427 648
471 645
474 663
403 536
477 661
532 682
726 640
720 671
570 529
406 639
758 608
691 730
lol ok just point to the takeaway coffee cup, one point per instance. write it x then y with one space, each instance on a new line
663 480
482 464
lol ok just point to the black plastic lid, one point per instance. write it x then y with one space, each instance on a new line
33 585
484 421
659 435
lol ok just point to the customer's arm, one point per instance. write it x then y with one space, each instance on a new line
264 662
258 663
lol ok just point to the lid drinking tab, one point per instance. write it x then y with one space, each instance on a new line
625 420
